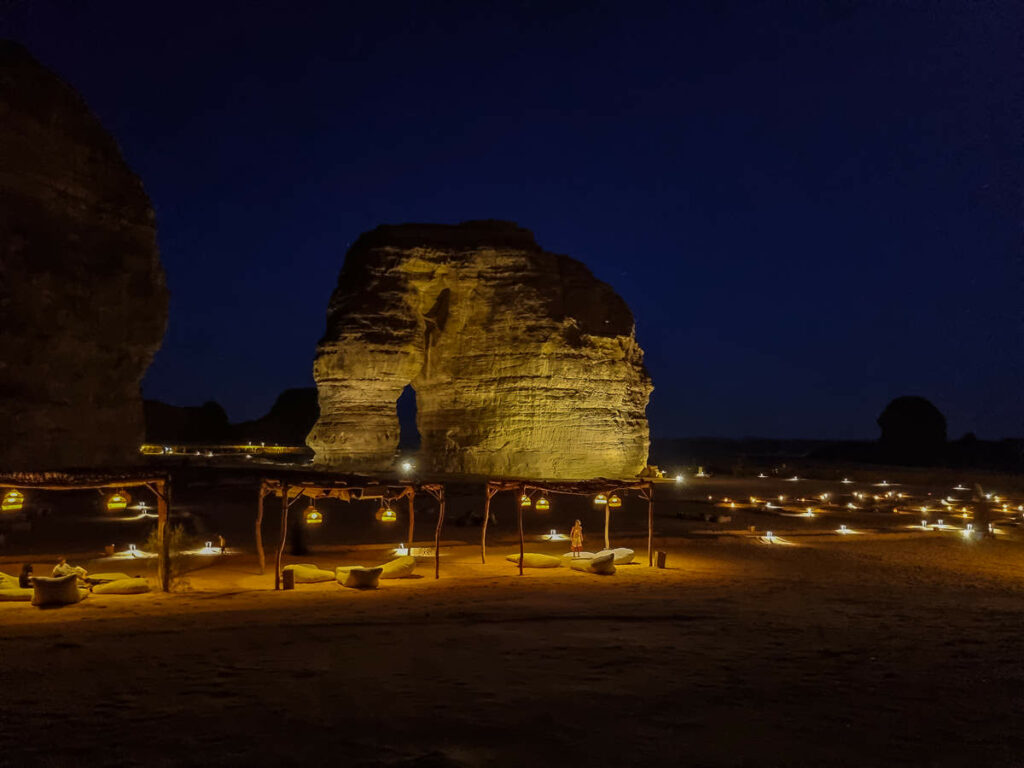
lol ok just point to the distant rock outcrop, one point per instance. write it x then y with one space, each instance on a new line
287 423
83 303
913 431
524 364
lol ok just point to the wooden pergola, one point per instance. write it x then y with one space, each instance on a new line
348 488
643 488
159 485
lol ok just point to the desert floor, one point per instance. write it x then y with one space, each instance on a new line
888 647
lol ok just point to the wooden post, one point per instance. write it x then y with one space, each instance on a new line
412 518
650 526
284 535
522 544
437 537
163 513
483 533
259 531
607 517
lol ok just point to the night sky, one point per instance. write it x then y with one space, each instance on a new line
811 207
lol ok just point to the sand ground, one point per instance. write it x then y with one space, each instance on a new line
878 649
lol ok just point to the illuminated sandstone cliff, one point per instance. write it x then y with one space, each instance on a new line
524 364
83 302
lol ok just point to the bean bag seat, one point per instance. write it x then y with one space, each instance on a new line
579 556
16 595
126 586
399 568
535 560
8 582
309 574
358 577
103 578
621 555
59 590
603 565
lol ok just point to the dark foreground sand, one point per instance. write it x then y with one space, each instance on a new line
873 650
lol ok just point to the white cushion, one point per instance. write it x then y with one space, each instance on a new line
309 574
601 564
535 560
62 590
16 595
621 555
362 578
399 568
122 587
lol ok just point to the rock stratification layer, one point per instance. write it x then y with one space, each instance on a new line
524 364
83 303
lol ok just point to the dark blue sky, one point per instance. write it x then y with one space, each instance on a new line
811 207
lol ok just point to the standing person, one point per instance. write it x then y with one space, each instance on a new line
576 539
222 543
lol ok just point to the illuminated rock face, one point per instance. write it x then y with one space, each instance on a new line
83 303
524 364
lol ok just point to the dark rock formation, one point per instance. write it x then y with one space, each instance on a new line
287 422
913 431
523 363
83 302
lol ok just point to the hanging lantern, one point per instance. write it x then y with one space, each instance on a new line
614 501
388 515
600 499
543 505
524 501
117 501
313 516
13 501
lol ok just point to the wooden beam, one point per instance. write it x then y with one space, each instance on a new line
259 532
650 526
163 515
607 519
483 533
283 537
522 543
412 517
437 536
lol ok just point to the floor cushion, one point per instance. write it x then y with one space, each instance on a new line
309 574
358 577
535 560
621 555
16 595
126 586
59 590
603 565
399 568
8 582
103 578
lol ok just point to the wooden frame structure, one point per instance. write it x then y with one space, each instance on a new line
644 488
159 485
346 488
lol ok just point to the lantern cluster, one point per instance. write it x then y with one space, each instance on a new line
13 501
118 501
313 516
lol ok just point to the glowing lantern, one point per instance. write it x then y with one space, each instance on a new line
524 501
600 499
13 501
388 515
543 505
313 516
117 501
614 501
